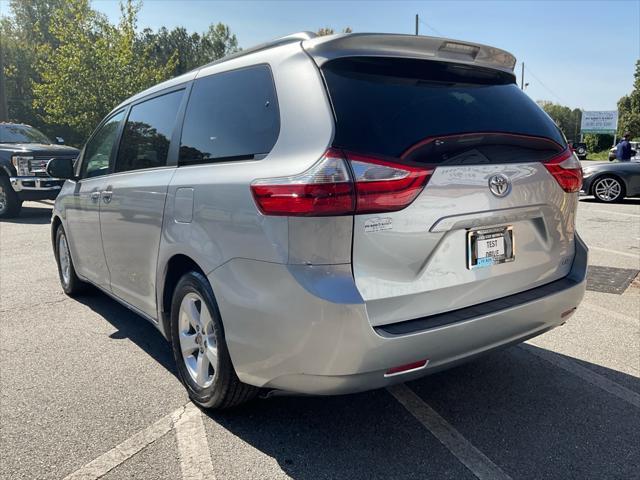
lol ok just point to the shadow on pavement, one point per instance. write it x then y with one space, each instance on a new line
130 326
33 213
531 418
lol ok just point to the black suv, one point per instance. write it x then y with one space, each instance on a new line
24 153
580 149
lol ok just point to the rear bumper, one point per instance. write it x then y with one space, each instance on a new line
305 328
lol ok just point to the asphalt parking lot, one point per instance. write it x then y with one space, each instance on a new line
88 390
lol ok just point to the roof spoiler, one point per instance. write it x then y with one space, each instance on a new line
323 49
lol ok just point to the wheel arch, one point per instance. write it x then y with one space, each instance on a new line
56 222
174 269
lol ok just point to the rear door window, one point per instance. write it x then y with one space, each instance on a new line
436 112
147 133
230 116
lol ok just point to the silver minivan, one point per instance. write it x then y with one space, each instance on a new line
325 215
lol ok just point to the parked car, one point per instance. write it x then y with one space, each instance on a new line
611 181
635 146
328 215
24 153
580 150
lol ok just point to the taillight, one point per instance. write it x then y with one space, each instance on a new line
567 171
383 186
341 184
325 189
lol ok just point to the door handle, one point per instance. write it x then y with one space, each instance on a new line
106 196
95 196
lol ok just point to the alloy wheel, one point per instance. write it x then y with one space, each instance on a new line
197 340
608 189
64 258
3 200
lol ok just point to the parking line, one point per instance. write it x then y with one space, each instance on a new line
472 458
584 373
617 252
195 458
127 449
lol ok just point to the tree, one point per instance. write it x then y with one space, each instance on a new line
329 31
568 120
218 42
191 50
597 142
95 66
21 34
629 108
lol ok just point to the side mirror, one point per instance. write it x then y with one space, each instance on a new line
61 168
60 140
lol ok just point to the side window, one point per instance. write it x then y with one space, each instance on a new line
147 133
98 150
230 116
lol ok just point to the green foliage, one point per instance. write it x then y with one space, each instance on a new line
329 31
66 65
568 120
598 142
94 67
629 108
21 34
191 50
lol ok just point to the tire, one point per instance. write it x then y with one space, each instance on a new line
69 281
205 367
10 204
608 189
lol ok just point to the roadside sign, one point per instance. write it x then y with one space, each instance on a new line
599 122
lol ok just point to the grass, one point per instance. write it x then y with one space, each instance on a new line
603 155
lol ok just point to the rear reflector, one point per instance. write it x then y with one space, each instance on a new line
567 171
342 183
409 367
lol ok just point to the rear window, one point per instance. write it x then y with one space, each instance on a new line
436 112
231 116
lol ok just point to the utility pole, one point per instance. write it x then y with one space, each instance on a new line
416 24
522 78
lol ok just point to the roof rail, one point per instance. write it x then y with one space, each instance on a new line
294 37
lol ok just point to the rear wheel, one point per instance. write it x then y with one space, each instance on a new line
10 204
71 284
608 189
200 349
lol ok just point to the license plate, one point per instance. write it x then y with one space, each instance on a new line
490 246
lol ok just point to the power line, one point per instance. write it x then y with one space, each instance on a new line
432 28
545 86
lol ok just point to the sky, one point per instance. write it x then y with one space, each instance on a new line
577 53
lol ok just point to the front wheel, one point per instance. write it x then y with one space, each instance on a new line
608 190
200 349
71 284
10 204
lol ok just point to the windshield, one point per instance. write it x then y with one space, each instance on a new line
436 112
21 134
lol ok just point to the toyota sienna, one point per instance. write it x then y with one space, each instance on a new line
325 215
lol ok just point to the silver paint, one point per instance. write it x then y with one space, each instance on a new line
299 297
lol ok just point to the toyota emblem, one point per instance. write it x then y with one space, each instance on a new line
499 185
